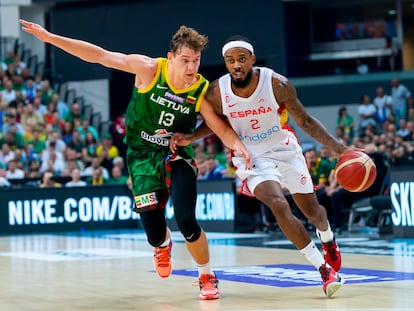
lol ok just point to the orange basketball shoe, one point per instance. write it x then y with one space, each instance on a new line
163 261
332 254
331 280
208 287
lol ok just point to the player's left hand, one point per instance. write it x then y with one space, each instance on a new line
241 150
179 139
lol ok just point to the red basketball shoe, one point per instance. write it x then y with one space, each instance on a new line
163 261
332 254
208 287
331 280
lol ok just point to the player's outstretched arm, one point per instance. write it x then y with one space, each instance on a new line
89 52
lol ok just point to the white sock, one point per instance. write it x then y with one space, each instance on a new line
326 236
204 269
167 240
313 255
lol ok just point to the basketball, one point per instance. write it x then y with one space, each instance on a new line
355 171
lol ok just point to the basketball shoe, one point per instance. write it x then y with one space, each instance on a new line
163 261
331 253
208 284
331 280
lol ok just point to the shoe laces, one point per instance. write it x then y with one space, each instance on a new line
162 254
206 282
324 271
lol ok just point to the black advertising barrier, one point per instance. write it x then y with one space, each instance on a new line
402 198
29 210
36 210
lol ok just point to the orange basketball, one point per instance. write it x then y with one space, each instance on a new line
355 171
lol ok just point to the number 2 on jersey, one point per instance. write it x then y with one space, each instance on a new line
255 124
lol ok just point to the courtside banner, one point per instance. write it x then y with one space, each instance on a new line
66 209
402 198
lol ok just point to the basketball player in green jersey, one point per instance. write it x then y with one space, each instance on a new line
167 96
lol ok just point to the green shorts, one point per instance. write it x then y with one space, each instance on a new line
147 170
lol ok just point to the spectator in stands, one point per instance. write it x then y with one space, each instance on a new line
21 159
345 122
97 177
367 112
6 154
383 103
120 163
37 140
216 151
60 106
13 172
77 144
8 94
202 166
55 137
46 92
10 121
116 177
38 81
86 127
107 151
401 98
76 180
18 65
48 181
410 129
39 107
33 170
67 132
29 90
214 169
91 144
13 137
31 118
3 105
319 168
88 171
74 112
9 58
402 131
52 160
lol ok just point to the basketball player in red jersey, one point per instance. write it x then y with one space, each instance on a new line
256 101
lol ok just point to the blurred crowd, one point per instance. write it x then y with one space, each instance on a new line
47 142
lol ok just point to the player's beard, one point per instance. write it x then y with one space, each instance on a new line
242 83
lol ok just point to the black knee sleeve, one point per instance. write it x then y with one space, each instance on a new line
155 226
184 197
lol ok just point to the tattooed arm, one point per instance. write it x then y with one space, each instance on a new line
285 94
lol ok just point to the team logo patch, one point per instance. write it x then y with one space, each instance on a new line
146 199
303 180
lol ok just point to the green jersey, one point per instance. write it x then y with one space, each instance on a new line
159 110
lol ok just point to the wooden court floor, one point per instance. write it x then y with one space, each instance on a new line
112 270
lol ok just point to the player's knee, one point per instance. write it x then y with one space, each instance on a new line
278 204
190 230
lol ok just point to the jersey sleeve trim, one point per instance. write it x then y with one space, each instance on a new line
156 76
